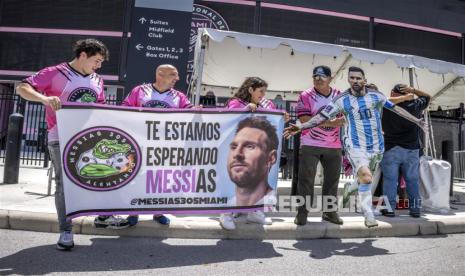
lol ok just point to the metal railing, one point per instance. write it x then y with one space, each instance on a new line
34 139
459 165
7 106
34 151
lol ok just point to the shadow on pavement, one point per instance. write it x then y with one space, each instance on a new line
124 254
330 247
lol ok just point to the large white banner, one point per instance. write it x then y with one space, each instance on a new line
119 160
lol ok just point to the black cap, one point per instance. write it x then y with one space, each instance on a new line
397 88
322 70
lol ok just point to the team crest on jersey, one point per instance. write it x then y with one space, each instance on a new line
83 95
328 109
101 159
156 104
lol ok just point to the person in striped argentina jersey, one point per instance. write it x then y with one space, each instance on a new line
362 134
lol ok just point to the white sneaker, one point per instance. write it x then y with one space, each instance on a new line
65 242
370 221
258 217
227 222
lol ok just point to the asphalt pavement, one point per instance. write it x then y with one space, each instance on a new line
33 253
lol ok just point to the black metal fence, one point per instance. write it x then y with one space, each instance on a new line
7 106
288 148
34 138
34 150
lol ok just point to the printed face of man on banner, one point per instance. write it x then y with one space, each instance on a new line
252 153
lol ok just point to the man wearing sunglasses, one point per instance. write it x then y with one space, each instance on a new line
319 144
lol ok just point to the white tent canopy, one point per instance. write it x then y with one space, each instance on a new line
286 64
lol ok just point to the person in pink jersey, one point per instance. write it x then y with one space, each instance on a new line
319 144
250 96
252 103
75 81
160 94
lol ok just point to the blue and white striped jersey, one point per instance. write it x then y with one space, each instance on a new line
362 129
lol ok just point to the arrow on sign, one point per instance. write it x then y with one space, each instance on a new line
138 47
142 20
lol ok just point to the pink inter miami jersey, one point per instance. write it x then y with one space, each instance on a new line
70 86
146 95
311 102
238 103
266 104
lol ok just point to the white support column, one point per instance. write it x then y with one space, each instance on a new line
199 71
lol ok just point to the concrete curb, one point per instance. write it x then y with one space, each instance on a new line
450 226
208 227
4 219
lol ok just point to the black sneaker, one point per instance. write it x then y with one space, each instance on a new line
415 215
112 222
332 217
301 218
387 213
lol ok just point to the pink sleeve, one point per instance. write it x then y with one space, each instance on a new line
272 105
131 99
42 80
303 105
184 101
101 92
268 104
235 103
